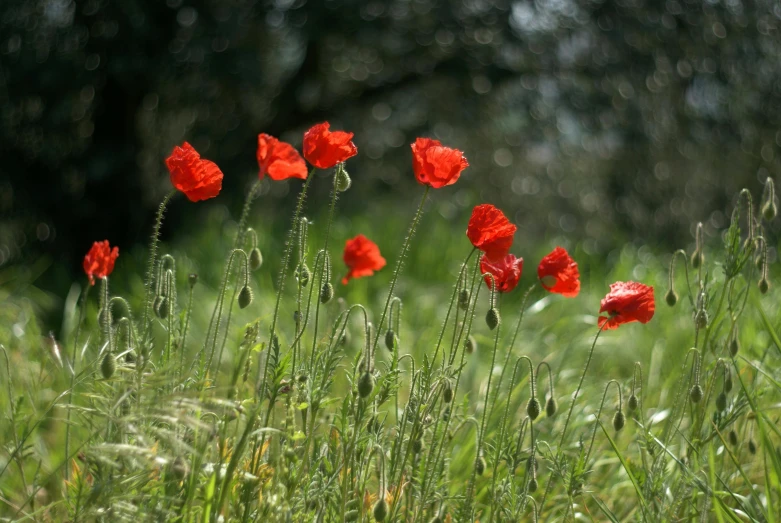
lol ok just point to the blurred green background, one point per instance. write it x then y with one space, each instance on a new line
591 123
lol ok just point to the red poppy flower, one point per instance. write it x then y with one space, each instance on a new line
490 231
99 261
558 273
627 302
197 178
324 149
506 271
279 160
436 165
362 257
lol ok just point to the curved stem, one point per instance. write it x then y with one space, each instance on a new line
245 214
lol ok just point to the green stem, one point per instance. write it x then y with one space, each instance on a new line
73 378
399 264
150 266
245 214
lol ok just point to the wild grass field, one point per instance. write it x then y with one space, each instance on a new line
189 384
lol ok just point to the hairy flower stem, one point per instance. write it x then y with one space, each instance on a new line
481 436
79 323
399 264
571 408
453 298
245 214
150 265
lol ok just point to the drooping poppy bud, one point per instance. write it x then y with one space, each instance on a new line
255 259
492 318
365 384
326 292
551 406
108 366
380 511
533 408
245 297
619 420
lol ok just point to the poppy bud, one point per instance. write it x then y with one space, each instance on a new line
697 259
365 384
436 519
164 308
492 318
417 445
728 384
245 297
446 414
327 292
763 285
351 515
155 307
671 298
381 507
180 468
108 366
390 338
618 420
533 408
192 279
343 181
769 210
303 275
532 463
733 438
471 345
255 259
734 346
721 402
533 485
632 404
463 299
297 316
752 447
480 465
701 319
447 392
695 394
551 406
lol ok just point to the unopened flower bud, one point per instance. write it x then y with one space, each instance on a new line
343 181
164 308
734 346
417 445
695 394
721 402
463 299
763 285
492 318
701 319
480 465
619 420
697 259
192 279
380 509
303 275
752 447
533 408
769 210
551 406
471 345
447 392
728 384
390 339
671 298
327 292
633 402
733 438
255 259
365 384
245 297
108 366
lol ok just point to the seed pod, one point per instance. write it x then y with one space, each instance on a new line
633 402
471 345
619 420
192 279
365 384
763 285
303 275
245 297
255 259
447 392
480 465
733 438
752 447
492 318
380 509
108 366
695 394
721 402
533 408
463 299
671 298
390 338
343 181
551 406
327 292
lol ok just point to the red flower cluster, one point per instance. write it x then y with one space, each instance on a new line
505 270
435 164
99 261
198 179
627 302
279 160
362 257
558 273
324 149
490 231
